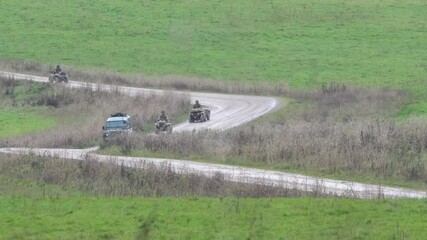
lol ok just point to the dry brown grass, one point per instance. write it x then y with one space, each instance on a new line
138 80
82 112
343 131
337 129
109 179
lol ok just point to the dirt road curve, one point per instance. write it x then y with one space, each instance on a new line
227 111
225 108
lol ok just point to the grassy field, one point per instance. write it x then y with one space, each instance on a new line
306 43
21 121
33 208
201 218
303 43
28 108
16 118
52 213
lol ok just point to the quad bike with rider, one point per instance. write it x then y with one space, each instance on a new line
58 75
199 115
163 126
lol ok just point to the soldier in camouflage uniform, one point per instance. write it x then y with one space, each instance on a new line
163 117
197 104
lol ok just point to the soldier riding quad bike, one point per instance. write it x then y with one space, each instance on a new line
58 77
199 115
163 126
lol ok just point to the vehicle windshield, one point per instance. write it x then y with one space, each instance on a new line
117 124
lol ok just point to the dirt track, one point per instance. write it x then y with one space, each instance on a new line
227 111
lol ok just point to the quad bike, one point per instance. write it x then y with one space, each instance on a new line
163 127
58 77
199 115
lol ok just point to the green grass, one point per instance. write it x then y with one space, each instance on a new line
48 212
24 120
368 43
28 90
214 218
417 107
12 187
33 210
306 43
18 121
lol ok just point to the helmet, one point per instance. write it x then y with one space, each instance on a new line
57 66
197 101
163 111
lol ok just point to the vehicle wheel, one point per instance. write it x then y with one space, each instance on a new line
169 130
191 120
